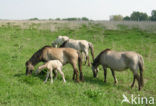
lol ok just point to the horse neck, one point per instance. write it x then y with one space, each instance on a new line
63 44
96 62
42 67
34 60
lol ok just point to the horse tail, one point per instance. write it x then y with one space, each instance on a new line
80 65
92 49
141 65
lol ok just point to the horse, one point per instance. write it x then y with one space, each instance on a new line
64 55
81 45
119 61
51 65
60 40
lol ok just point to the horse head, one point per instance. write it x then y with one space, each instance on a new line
54 44
59 41
29 68
94 70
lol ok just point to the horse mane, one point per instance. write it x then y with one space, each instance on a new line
96 61
63 44
37 56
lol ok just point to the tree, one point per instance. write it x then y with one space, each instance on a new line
84 19
139 16
127 18
71 19
32 19
116 18
76 19
57 19
153 15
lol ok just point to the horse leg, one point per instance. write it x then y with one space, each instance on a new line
105 74
62 74
75 72
74 75
138 79
81 74
87 57
55 74
51 78
113 74
133 81
88 61
47 76
134 70
84 57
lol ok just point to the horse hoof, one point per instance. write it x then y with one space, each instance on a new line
115 83
139 89
82 80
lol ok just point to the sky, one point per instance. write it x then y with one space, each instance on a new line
92 9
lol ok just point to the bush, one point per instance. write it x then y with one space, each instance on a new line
32 19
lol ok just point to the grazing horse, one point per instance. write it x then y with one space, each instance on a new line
81 45
64 55
59 41
118 61
51 65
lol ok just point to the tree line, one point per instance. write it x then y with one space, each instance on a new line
135 16
67 19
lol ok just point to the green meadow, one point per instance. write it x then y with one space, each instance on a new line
18 43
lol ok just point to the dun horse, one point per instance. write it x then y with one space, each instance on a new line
118 61
80 45
64 55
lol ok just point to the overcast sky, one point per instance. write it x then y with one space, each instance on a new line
93 9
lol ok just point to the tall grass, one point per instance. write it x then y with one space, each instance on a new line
54 25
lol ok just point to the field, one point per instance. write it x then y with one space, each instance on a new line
19 40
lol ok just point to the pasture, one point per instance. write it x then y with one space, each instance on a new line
19 40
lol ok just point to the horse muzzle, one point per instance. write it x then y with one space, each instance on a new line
29 72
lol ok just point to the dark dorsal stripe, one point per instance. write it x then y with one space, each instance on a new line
96 61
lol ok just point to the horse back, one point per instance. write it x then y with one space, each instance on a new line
64 55
113 60
120 60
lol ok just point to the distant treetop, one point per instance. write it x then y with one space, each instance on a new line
32 19
135 16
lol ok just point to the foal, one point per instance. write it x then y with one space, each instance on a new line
51 65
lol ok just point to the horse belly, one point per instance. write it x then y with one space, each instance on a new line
64 60
117 65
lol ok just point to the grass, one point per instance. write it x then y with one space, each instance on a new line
18 44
